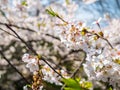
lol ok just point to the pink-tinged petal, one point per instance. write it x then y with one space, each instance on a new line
25 57
99 19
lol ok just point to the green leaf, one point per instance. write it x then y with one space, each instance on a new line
86 85
24 3
54 14
67 1
72 89
71 84
51 86
110 88
51 12
29 86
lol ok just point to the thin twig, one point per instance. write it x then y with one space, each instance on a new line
65 56
14 67
52 36
63 87
8 32
3 13
30 48
76 70
23 28
28 29
101 38
107 42
62 19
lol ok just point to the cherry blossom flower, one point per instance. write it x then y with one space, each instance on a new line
98 21
25 87
50 76
33 65
25 58
41 88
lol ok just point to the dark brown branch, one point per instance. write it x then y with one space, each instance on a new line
30 48
3 13
107 42
101 38
52 36
28 29
76 70
18 27
8 32
71 52
14 67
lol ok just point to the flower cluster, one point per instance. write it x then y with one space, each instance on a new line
103 56
39 67
104 67
32 63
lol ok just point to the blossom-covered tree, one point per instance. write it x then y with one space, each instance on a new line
61 51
